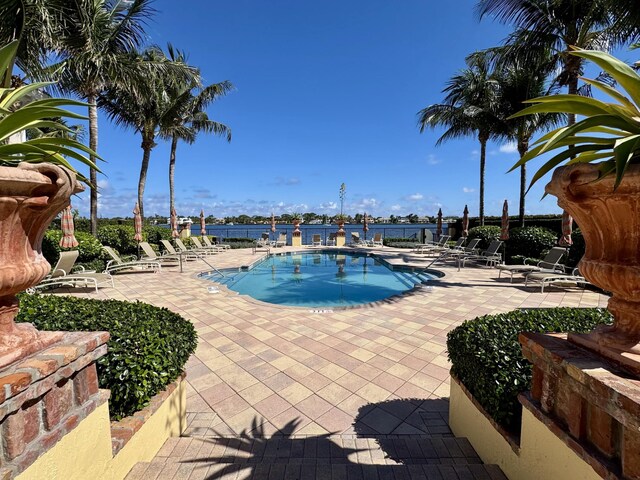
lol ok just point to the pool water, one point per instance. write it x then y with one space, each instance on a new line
320 279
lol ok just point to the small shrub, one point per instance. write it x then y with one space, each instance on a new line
119 237
89 247
530 242
486 235
399 242
154 234
486 357
148 348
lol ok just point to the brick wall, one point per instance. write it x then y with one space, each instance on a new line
45 396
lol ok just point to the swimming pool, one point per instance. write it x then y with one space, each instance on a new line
320 279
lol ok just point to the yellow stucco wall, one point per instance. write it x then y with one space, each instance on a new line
542 454
296 241
340 241
85 452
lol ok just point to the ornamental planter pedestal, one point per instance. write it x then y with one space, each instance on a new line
31 195
340 235
296 236
610 224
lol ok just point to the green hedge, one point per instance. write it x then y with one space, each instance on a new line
119 237
486 356
148 348
90 249
530 242
486 235
577 249
153 234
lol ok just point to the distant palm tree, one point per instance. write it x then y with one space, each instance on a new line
189 117
145 105
556 25
470 107
89 39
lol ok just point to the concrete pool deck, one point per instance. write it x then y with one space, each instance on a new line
354 373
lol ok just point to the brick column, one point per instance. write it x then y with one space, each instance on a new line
587 402
45 396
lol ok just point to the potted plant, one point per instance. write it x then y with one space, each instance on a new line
36 182
603 197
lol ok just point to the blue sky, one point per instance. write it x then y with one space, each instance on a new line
326 92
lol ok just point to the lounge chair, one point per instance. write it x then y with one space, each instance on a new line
556 278
63 274
377 240
489 257
185 255
199 246
457 251
356 241
150 254
184 249
207 243
431 247
118 264
331 240
550 263
281 241
316 240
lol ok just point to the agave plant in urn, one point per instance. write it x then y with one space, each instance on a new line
36 183
600 187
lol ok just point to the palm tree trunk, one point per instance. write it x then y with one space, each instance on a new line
172 171
93 175
523 147
483 153
146 148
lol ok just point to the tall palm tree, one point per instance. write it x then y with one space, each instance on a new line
146 105
189 117
89 39
470 107
556 24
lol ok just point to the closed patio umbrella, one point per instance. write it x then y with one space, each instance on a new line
567 228
174 224
365 225
68 239
137 224
203 226
465 222
504 229
439 224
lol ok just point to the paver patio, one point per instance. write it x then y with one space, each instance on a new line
371 372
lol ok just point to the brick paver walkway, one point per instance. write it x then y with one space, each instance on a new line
375 372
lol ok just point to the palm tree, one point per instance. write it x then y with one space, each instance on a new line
470 108
543 25
189 117
90 40
146 104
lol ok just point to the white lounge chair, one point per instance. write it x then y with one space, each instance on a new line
119 265
377 240
207 243
184 249
550 263
331 240
356 241
150 254
185 255
199 246
556 278
65 273
431 247
281 241
316 240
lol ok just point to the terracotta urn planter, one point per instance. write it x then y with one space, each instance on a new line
610 224
31 195
296 227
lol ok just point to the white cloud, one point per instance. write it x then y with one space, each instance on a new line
396 208
432 160
415 197
468 190
510 147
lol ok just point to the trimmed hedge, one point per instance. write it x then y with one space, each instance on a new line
119 237
153 234
90 249
486 357
148 348
486 235
530 242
